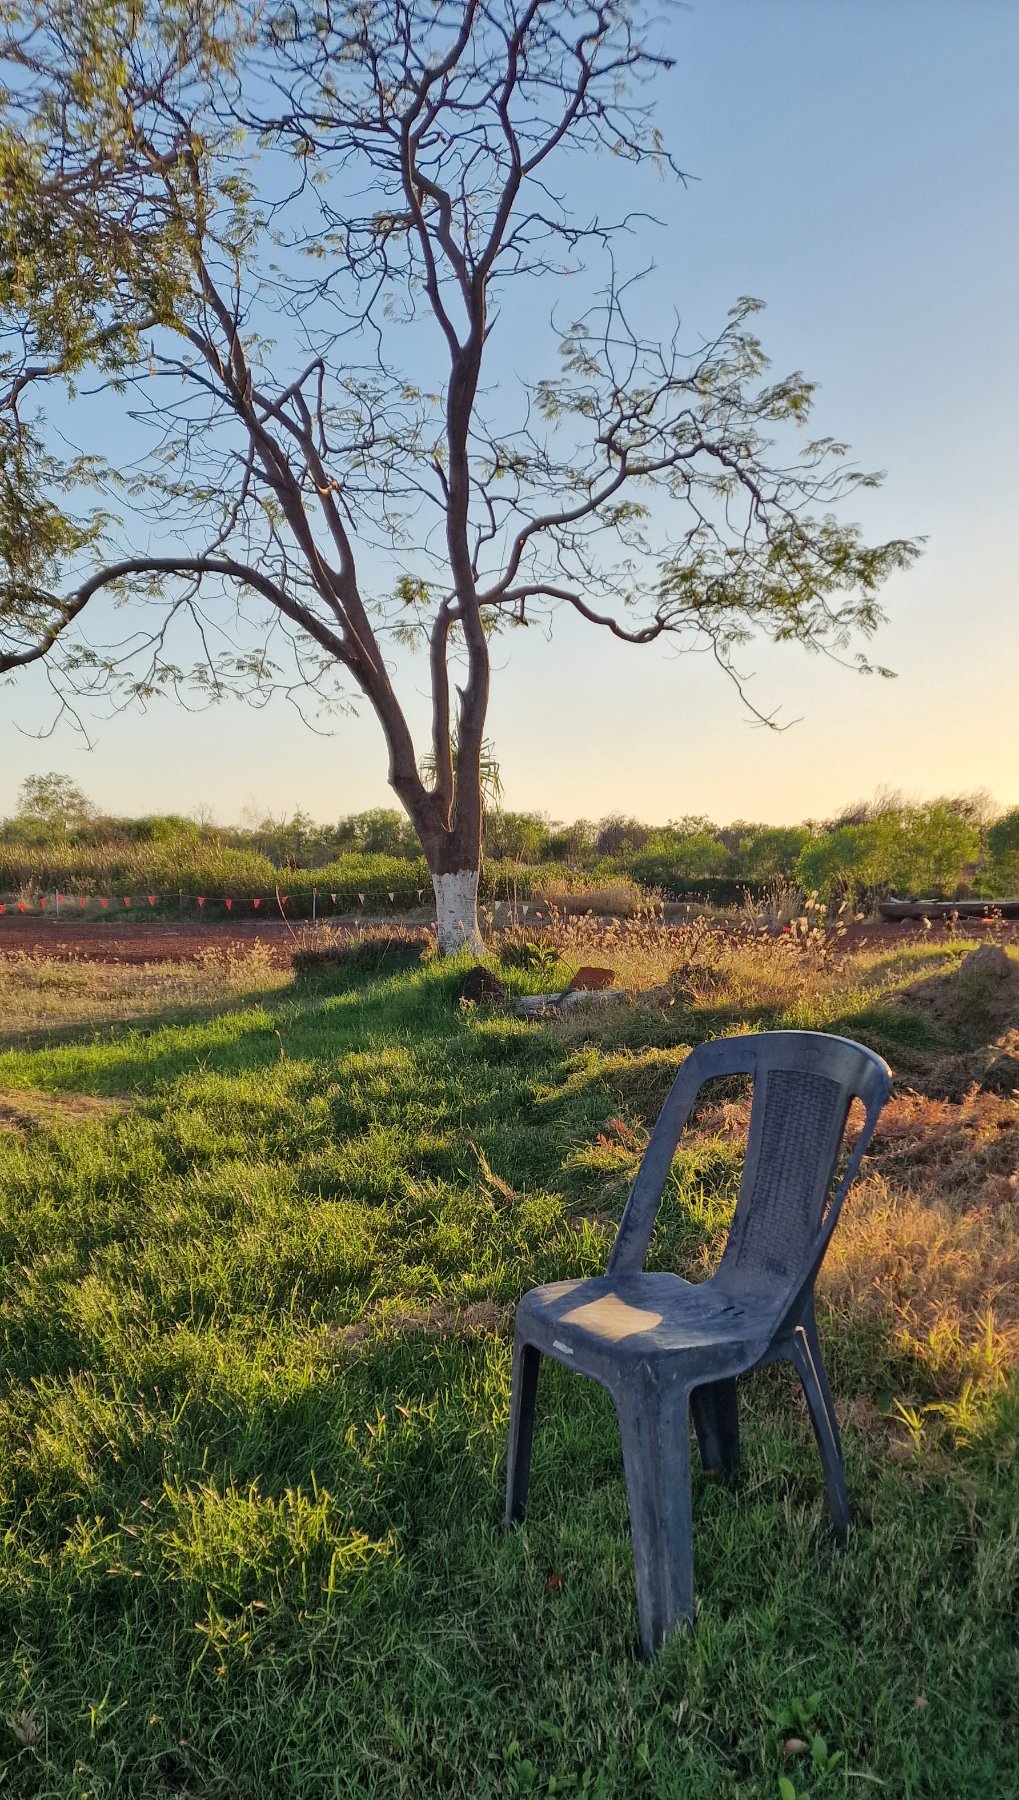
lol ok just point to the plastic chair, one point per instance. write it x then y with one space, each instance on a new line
663 1346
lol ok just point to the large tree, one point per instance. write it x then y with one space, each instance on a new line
287 239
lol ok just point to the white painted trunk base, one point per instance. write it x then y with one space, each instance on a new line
456 912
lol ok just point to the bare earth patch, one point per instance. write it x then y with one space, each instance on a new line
479 1319
33 1109
976 1007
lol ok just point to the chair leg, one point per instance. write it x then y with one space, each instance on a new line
523 1395
716 1418
654 1426
814 1342
806 1357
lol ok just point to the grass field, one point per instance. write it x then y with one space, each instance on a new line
261 1242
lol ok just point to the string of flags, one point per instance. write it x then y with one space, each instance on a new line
234 903
55 901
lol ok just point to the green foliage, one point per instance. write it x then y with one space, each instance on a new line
622 837
52 805
517 836
927 850
676 857
57 838
376 877
84 272
571 844
1003 853
382 831
770 852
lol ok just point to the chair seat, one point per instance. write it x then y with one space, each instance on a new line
642 1315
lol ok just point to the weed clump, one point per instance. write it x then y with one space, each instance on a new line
365 950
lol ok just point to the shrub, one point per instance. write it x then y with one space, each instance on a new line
918 850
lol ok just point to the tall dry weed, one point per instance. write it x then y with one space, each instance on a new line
702 962
620 898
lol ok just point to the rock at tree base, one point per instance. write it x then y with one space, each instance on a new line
589 980
480 984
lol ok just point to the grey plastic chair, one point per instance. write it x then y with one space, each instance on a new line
663 1346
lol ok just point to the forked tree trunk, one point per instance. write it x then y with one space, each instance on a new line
456 912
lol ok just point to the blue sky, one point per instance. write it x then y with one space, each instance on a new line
856 166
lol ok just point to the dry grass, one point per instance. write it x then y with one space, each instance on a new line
704 964
927 1247
619 898
43 999
34 1109
755 971
929 1240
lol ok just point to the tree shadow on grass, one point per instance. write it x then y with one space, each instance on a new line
162 1043
93 1034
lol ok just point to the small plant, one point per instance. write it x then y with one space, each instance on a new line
796 1726
543 959
539 957
912 1419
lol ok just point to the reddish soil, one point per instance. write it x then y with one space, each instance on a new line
881 935
154 942
71 941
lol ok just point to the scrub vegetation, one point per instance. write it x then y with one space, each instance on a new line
958 846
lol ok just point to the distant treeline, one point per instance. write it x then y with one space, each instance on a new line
948 848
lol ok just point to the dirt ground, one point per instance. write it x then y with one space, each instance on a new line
173 941
155 942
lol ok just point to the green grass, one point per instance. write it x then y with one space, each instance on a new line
253 1423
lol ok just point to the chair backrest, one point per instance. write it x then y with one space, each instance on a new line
804 1084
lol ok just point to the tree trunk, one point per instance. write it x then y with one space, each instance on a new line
456 912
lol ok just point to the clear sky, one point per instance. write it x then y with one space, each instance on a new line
857 167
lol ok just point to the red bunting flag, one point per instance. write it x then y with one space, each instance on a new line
229 905
21 906
283 899
201 899
127 899
42 901
60 899
256 903
82 900
3 906
104 903
151 898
